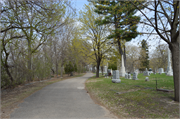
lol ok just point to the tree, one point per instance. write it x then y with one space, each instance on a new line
112 63
35 20
165 23
69 68
144 58
94 34
27 27
159 56
121 15
133 53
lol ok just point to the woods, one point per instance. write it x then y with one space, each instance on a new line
35 38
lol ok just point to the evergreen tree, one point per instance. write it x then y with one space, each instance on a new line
121 15
144 58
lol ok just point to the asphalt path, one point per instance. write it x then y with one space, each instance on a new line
64 99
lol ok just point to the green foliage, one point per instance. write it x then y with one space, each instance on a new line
113 66
144 56
94 35
121 14
69 67
33 23
75 67
112 63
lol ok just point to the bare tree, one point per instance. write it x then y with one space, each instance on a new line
165 22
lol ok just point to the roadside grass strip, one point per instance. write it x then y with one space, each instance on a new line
136 98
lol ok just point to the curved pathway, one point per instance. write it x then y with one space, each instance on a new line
64 99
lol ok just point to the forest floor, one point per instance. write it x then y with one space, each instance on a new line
135 98
10 98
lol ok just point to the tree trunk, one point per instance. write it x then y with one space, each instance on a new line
102 68
61 71
175 61
56 68
8 72
29 61
51 54
97 72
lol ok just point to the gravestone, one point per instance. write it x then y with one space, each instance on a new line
129 76
137 71
126 76
105 69
161 70
116 78
146 73
135 76
147 79
169 71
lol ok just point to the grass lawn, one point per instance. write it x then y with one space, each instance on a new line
136 98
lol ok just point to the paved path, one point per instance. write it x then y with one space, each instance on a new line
64 99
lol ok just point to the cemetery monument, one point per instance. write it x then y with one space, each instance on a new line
122 70
169 67
116 78
146 73
161 70
135 76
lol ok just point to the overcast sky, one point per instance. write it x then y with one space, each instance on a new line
153 43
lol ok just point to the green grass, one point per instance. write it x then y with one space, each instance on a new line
135 100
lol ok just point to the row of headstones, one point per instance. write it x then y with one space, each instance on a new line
160 70
116 78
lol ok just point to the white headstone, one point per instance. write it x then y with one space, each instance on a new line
122 70
105 69
169 67
137 71
116 78
161 70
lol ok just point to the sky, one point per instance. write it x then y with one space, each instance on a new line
152 43
80 3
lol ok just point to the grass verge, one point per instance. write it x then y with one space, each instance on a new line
11 98
136 98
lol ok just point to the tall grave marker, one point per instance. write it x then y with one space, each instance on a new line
169 67
122 70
